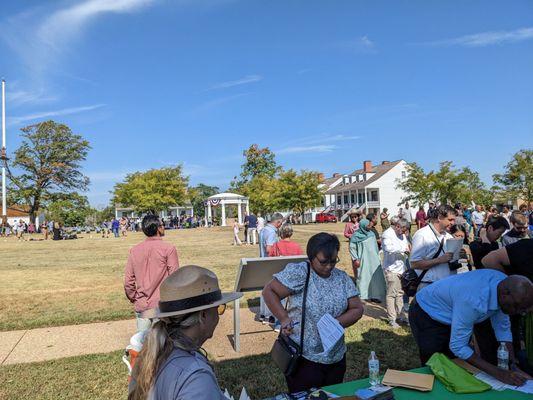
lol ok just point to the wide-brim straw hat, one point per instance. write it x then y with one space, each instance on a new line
189 289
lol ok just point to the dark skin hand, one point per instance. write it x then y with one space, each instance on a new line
274 292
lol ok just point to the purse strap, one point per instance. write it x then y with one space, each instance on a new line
304 301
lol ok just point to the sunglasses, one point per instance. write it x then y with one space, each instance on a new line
221 308
326 263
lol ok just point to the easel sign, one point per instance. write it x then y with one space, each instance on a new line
252 276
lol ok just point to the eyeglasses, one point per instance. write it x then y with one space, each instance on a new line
326 263
221 308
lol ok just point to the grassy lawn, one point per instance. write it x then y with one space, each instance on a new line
47 283
104 376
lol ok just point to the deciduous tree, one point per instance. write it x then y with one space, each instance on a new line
47 162
517 180
71 209
152 191
199 194
298 192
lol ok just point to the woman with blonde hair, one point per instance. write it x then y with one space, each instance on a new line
172 363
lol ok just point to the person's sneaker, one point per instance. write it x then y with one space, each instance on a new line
262 318
277 327
394 325
271 320
403 320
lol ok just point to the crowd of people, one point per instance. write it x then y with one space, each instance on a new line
464 307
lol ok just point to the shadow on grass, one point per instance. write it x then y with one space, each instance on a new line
262 379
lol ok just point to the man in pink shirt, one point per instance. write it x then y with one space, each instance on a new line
149 263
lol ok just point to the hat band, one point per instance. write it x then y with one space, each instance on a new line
190 302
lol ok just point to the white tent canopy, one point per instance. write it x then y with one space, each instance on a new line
223 199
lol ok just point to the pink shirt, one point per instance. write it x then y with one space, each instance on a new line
350 228
285 248
149 263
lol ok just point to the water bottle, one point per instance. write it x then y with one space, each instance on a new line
503 356
373 369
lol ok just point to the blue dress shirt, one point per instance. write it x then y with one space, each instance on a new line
464 300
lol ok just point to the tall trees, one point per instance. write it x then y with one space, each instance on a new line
152 191
298 191
447 185
198 195
48 161
71 209
517 179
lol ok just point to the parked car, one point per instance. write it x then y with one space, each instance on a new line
325 217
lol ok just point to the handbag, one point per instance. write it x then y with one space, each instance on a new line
410 280
285 352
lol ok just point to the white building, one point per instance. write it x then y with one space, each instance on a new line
371 188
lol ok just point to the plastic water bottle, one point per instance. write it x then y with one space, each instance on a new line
503 356
373 369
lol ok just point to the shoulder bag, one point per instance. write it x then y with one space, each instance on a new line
410 279
285 352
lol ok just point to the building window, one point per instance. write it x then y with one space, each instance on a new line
374 195
352 198
404 175
339 200
345 199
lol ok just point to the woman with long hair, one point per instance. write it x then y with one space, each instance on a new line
172 363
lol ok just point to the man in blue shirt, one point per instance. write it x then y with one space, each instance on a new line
443 316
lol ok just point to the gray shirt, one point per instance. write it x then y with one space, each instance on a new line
324 296
186 376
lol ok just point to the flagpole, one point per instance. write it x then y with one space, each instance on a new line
3 155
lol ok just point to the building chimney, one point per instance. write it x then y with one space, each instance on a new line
385 162
367 165
336 175
321 177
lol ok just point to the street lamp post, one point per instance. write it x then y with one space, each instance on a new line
3 155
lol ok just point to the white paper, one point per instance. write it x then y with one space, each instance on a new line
453 246
498 385
244 395
330 331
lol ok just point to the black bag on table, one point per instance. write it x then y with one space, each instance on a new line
285 352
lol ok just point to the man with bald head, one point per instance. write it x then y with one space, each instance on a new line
443 316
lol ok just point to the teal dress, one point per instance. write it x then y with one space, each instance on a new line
370 278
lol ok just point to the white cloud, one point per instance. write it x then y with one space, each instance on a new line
55 113
40 38
323 148
362 44
243 81
215 103
487 38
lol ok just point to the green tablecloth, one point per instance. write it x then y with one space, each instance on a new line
439 392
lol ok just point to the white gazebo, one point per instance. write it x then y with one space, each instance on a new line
224 199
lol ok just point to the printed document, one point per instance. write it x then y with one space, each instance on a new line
497 385
330 331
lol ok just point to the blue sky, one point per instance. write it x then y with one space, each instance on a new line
325 85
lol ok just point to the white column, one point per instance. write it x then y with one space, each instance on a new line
223 204
239 211
209 212
247 207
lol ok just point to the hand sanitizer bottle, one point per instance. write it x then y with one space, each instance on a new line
373 369
503 356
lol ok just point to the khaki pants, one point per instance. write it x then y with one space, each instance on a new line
394 298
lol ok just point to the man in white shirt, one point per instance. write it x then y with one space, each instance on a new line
260 223
408 215
478 218
427 252
395 248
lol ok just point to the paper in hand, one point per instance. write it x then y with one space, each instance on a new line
453 246
330 331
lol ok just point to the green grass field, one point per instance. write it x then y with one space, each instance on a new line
47 283
79 281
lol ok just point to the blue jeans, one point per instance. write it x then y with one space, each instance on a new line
115 232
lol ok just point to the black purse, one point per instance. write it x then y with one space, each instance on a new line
285 352
410 280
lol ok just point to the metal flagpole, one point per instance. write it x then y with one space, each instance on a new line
4 156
